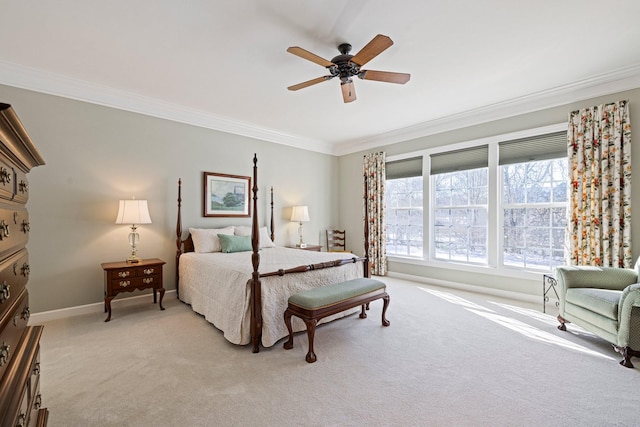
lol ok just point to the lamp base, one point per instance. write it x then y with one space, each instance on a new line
133 260
301 245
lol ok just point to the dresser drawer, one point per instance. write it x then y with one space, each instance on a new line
35 401
14 229
22 188
14 274
12 325
22 416
7 180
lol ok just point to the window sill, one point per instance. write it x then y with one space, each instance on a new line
481 269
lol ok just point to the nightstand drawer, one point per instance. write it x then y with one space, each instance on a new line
134 282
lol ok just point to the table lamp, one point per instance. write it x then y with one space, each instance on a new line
300 214
133 212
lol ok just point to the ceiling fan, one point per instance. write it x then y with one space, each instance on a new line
347 66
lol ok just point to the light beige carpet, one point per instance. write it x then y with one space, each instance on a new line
445 360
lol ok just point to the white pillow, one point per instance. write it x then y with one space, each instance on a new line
265 239
206 239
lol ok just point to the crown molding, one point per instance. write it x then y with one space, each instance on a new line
605 84
55 84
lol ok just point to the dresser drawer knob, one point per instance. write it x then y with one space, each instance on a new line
4 353
26 269
22 420
4 229
125 283
25 226
38 402
5 176
123 274
4 292
23 186
148 271
147 280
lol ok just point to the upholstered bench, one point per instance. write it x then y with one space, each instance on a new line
315 304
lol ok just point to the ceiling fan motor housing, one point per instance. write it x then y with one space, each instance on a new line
343 65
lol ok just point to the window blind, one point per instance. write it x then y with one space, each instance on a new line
539 147
460 160
405 168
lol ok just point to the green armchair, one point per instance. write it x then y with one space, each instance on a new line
604 301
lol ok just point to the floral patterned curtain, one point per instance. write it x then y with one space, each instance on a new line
374 179
599 217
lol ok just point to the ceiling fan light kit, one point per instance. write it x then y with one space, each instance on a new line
345 66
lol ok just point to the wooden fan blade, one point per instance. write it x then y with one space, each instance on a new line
310 83
305 54
348 91
374 48
384 76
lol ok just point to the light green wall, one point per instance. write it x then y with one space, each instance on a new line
97 155
351 184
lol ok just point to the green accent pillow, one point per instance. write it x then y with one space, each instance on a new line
231 244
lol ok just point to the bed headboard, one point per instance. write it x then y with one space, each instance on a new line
186 245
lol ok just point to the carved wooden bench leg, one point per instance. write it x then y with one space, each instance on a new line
363 313
385 299
287 321
311 330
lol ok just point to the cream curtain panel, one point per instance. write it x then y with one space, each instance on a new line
374 179
599 213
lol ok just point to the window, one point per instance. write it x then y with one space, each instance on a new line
459 182
534 213
404 207
499 202
460 216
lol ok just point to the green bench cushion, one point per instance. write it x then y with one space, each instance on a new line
328 295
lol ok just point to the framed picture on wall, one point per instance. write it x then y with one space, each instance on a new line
226 195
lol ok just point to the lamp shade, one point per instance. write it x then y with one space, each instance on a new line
133 212
300 214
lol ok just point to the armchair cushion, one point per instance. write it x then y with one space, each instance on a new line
602 301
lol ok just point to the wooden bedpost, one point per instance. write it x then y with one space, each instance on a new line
367 271
178 238
256 290
273 234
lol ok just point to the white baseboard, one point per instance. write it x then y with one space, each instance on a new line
45 316
518 296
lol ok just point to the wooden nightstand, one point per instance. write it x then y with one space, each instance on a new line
126 277
316 248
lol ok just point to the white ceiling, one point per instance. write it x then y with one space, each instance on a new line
223 64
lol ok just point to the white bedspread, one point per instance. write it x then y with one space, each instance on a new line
216 286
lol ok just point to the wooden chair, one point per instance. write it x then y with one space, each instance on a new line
336 241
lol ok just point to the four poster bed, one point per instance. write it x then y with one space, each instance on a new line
229 290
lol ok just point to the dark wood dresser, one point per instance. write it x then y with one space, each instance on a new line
20 400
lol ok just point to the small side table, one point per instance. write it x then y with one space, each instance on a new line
316 248
127 277
549 283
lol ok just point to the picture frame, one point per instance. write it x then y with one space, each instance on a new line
226 195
